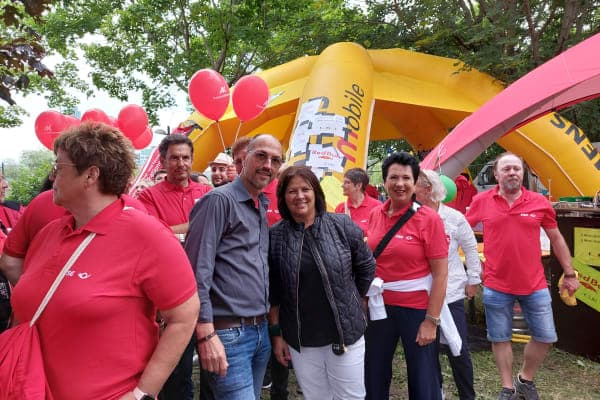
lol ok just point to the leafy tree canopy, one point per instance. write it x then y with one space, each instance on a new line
27 176
21 53
155 46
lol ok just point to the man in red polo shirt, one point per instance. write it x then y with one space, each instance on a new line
512 217
359 204
171 202
172 199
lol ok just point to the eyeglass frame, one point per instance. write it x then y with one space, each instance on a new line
262 157
54 169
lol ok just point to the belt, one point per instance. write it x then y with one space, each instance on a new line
237 322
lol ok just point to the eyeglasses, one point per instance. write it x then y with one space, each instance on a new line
262 157
54 170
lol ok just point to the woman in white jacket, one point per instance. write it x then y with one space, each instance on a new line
430 192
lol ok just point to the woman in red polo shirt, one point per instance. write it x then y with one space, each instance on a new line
359 204
98 333
414 269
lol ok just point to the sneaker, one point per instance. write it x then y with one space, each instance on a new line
267 385
507 394
525 391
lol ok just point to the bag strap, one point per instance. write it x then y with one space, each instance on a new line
61 275
388 236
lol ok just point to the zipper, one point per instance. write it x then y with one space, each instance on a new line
360 307
327 287
298 289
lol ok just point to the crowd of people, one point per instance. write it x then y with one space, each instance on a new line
254 274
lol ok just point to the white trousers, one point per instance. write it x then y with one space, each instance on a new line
324 376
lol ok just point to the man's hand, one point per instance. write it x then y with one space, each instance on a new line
211 351
471 291
570 284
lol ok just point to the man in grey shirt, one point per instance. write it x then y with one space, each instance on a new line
228 243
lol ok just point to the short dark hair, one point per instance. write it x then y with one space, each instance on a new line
97 144
306 174
356 176
171 140
240 144
402 158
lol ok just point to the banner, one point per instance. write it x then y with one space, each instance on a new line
589 281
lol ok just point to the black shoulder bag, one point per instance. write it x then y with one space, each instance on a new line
388 236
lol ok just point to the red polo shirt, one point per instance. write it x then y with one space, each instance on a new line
273 211
40 211
172 203
360 214
9 216
98 331
511 239
406 256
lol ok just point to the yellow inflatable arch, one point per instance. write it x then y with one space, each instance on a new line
325 109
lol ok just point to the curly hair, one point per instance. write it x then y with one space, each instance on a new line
402 158
97 144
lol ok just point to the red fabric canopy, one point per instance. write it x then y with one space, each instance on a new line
571 77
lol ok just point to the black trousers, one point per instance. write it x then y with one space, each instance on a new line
179 386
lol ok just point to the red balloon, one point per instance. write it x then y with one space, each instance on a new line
112 121
209 93
48 126
71 121
133 121
97 115
143 140
250 97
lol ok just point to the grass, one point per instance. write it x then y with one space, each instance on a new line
562 376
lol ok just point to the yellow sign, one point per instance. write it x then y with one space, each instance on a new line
589 281
587 245
332 187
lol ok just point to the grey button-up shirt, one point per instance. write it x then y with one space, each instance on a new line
228 245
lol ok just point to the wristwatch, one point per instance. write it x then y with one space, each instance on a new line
436 321
139 395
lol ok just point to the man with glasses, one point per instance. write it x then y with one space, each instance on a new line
228 245
171 201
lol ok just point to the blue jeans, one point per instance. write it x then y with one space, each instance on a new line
462 367
422 362
248 349
537 310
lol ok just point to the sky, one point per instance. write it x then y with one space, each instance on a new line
13 141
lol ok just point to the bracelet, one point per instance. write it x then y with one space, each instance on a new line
274 330
573 275
207 337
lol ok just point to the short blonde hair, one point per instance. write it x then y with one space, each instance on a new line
438 190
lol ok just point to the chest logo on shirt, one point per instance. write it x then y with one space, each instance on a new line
531 215
403 237
80 275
